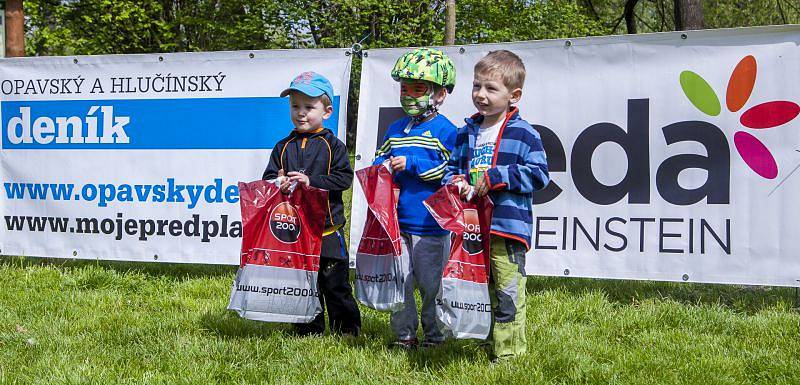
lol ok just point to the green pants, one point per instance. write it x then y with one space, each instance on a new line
507 292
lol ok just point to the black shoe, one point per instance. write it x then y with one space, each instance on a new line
353 333
305 331
431 344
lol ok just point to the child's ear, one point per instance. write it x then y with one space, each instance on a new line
440 96
328 112
516 95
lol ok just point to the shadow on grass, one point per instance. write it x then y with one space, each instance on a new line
438 358
175 270
224 322
227 324
377 335
741 298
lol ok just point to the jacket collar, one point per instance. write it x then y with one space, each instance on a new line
474 121
318 132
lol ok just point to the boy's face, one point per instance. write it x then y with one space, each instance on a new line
307 112
491 97
416 96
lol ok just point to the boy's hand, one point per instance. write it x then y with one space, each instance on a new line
283 182
482 187
286 186
398 163
297 177
464 189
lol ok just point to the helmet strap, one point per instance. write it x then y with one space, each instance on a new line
415 120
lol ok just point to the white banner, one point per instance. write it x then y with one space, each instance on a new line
137 157
672 155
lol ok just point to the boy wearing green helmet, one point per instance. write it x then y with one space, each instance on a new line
417 147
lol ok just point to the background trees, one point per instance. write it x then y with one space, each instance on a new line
87 27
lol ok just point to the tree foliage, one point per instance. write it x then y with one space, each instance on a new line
85 27
658 15
64 27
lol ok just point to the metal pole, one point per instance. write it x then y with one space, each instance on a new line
15 29
2 28
450 23
797 295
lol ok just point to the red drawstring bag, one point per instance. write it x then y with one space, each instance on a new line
463 307
379 278
281 243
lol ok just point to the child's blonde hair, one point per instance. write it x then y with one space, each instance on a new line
326 101
504 63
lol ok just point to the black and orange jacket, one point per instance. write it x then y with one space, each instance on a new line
321 156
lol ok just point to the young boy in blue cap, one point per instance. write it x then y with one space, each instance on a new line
312 155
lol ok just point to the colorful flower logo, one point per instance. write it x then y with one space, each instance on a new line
763 116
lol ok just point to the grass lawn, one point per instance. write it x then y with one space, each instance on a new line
79 322
85 322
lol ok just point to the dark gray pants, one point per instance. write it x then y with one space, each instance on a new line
423 260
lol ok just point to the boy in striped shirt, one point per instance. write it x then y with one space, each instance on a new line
500 154
418 147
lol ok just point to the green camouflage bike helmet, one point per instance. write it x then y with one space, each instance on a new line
426 64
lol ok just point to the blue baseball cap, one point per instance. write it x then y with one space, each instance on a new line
311 84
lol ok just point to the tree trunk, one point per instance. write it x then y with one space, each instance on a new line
15 29
630 16
450 23
688 15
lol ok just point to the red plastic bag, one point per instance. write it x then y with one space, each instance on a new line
463 307
379 278
281 243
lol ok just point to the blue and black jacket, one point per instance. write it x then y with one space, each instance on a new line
321 156
519 167
427 148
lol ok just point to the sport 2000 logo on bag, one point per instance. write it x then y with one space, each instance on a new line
281 242
463 307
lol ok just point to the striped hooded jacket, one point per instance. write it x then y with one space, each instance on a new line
519 167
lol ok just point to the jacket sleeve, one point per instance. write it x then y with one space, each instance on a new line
384 152
274 164
453 166
522 178
432 170
341 175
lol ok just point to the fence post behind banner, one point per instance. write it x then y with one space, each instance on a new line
797 296
2 28
14 29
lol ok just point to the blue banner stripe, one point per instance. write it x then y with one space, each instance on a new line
212 123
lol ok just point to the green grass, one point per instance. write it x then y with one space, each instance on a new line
80 322
84 322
